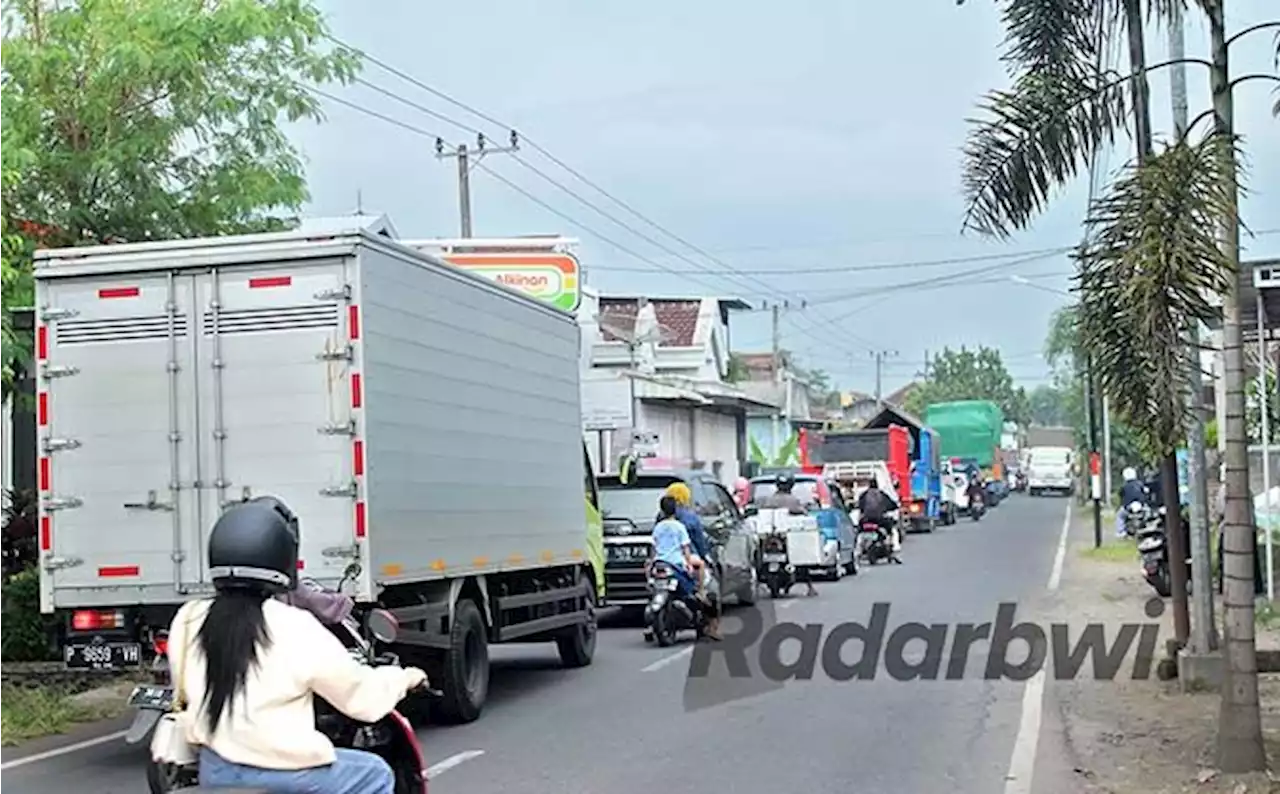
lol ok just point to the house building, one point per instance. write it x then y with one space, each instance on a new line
661 365
782 409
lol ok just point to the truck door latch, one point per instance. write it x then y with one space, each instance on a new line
152 503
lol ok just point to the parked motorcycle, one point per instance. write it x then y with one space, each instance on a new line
1153 549
670 611
392 737
1137 517
873 543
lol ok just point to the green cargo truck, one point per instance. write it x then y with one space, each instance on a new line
969 429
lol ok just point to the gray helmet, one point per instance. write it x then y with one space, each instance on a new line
255 545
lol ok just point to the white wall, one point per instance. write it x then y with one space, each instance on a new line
6 443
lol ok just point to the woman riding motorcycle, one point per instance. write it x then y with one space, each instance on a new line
250 666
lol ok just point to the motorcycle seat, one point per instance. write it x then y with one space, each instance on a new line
221 790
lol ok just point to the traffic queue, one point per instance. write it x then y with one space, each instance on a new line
680 546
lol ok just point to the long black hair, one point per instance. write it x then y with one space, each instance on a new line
234 632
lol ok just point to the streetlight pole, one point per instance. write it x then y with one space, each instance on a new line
1091 406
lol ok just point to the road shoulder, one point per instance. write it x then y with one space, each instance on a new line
1129 735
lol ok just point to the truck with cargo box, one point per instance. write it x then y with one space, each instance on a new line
423 422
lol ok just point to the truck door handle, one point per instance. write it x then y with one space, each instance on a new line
152 503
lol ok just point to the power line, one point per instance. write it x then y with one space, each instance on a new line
920 263
546 153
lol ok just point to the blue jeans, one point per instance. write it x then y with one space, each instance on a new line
354 772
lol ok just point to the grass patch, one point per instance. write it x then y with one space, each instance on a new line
1118 550
31 712
1266 615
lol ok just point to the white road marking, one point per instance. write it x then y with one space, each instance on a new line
1022 765
787 604
666 660
1055 576
58 751
435 770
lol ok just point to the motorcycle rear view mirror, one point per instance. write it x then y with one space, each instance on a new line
383 625
751 510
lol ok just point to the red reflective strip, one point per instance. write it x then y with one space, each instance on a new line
358 454
42 409
301 565
357 393
270 281
360 520
42 343
46 533
119 292
118 570
353 322
46 474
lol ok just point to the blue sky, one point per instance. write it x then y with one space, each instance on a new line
826 137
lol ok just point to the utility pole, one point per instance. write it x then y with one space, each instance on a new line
777 345
1107 490
1091 401
466 159
1204 634
880 356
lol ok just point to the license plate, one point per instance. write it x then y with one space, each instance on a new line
775 558
103 655
159 698
773 567
628 553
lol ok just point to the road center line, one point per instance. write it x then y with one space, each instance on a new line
435 770
1022 764
58 751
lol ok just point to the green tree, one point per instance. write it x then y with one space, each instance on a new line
966 374
152 119
1038 136
1047 405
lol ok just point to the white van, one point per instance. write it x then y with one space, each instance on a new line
1050 469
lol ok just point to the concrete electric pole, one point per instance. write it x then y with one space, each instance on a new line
466 158
880 356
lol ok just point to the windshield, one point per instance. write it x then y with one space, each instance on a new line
633 503
805 490
1050 457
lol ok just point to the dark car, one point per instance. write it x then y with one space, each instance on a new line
629 511
832 512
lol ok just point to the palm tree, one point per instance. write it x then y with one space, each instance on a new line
1062 109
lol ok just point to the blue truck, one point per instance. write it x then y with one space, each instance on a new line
927 507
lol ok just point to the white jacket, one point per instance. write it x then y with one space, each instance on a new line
271 723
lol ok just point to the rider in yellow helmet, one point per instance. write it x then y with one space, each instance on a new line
698 536
681 493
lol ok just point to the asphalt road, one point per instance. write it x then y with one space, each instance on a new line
621 726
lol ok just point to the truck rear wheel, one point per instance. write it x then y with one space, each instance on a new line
577 645
464 669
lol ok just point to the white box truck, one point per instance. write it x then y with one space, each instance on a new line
423 422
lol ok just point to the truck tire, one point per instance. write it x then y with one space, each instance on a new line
577 645
464 670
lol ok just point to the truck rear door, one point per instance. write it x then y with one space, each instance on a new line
278 396
116 422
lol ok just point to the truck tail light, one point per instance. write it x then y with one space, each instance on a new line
96 620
